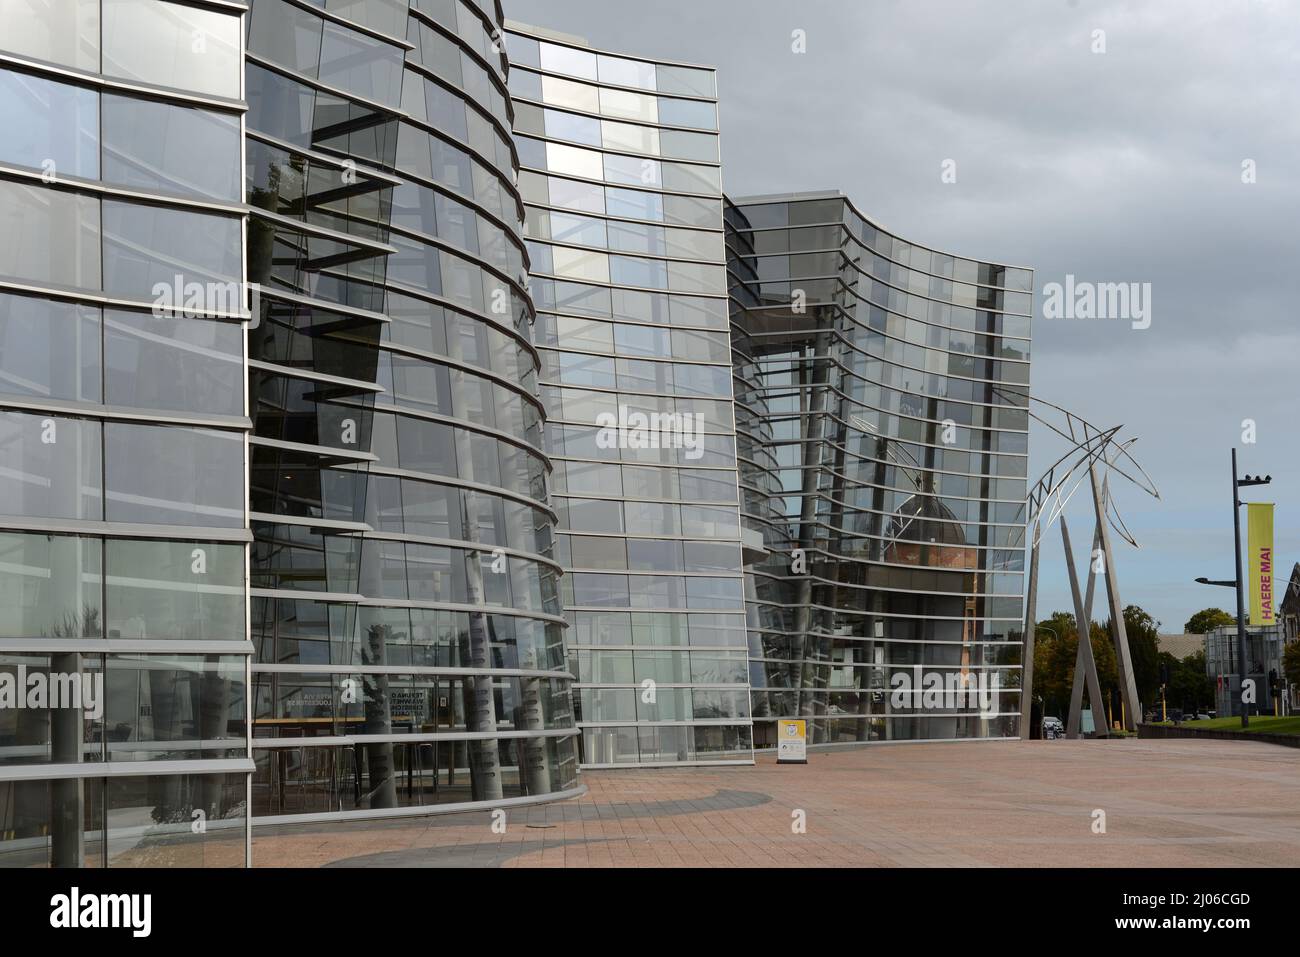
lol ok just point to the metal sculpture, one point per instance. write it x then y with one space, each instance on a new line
1090 447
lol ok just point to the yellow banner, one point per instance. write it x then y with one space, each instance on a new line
1259 538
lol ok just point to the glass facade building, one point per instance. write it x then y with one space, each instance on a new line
124 652
881 406
397 417
620 180
1265 646
406 617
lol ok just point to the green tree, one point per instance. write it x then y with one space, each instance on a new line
1103 652
1055 651
1206 620
1291 662
1144 645
1168 666
1190 688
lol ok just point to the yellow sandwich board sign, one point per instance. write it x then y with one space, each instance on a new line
791 741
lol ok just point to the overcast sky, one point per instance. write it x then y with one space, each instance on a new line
1116 166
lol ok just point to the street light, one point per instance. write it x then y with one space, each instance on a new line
1239 483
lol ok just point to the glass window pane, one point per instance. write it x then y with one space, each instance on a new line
171 45
573 161
632 170
175 799
277 103
174 590
49 126
629 105
628 271
570 194
695 244
634 203
522 51
623 72
665 743
690 211
36 735
574 96
61 31
193 365
579 230
689 146
570 126
177 149
445 110
634 139
161 475
581 264
383 16
287 35
50 236
50 586
696 277
636 238
49 349
691 179
174 707
49 467
359 64
558 59
684 80
147 247
696 113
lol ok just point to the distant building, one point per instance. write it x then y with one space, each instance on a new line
1182 646
1264 659
1289 611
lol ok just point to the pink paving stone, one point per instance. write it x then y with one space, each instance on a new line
1173 803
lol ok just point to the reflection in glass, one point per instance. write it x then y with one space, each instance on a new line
153 145
172 45
50 126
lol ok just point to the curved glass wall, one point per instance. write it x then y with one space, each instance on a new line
620 177
883 438
123 430
787 449
406 608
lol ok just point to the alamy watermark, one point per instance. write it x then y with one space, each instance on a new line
632 429
946 691
1130 301
193 299
133 912
45 690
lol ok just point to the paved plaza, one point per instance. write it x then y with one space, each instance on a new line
1167 803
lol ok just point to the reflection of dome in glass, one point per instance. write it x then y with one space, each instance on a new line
923 518
922 522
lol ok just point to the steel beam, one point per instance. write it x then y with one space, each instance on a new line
1084 659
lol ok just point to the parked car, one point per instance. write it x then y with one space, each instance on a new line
1053 728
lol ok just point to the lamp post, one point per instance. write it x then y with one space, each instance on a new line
1237 583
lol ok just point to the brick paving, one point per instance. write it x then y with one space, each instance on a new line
1168 803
